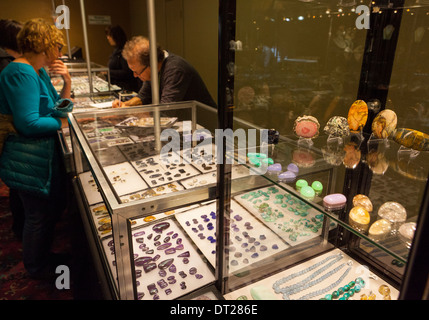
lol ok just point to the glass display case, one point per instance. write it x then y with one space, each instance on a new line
341 94
130 192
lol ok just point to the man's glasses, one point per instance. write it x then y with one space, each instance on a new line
144 69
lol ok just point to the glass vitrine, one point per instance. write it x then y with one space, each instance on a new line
303 69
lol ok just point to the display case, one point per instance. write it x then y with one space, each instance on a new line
345 93
85 93
130 194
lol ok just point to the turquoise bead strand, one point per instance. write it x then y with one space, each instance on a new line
346 291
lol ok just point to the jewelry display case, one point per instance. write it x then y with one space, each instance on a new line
160 207
331 87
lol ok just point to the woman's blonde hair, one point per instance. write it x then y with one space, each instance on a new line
39 36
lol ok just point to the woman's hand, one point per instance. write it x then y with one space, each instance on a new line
59 68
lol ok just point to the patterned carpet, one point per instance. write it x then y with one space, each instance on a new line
15 283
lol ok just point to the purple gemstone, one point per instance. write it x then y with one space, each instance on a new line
165 264
158 228
183 285
149 267
185 260
170 251
156 257
170 233
156 297
185 254
164 246
263 248
275 246
237 217
140 295
172 268
171 280
111 243
199 276
135 255
262 237
162 284
166 239
157 238
293 168
142 261
255 255
179 241
162 273
149 236
157 243
168 291
193 271
138 234
287 176
174 236
274 168
179 247
182 274
139 240
149 251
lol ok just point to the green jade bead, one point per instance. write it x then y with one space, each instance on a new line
346 288
346 296
317 187
335 294
301 183
307 192
357 288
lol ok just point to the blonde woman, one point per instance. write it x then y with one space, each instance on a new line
27 94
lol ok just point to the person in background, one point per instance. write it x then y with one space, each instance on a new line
120 74
178 79
8 52
26 93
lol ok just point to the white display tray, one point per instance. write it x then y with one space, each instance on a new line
250 240
372 282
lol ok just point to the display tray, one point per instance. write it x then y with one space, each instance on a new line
314 279
167 265
250 240
288 216
148 122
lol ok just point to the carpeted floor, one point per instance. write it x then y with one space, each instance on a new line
15 284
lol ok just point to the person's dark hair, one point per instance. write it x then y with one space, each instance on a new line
9 29
118 35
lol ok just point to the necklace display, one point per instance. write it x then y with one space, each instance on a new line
306 283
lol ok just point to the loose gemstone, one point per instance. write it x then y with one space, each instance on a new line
185 260
138 234
346 288
170 251
162 273
172 268
152 289
162 284
158 228
156 257
139 240
335 294
166 263
193 271
180 247
149 267
199 276
168 291
142 261
185 254
328 297
157 238
164 246
182 274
